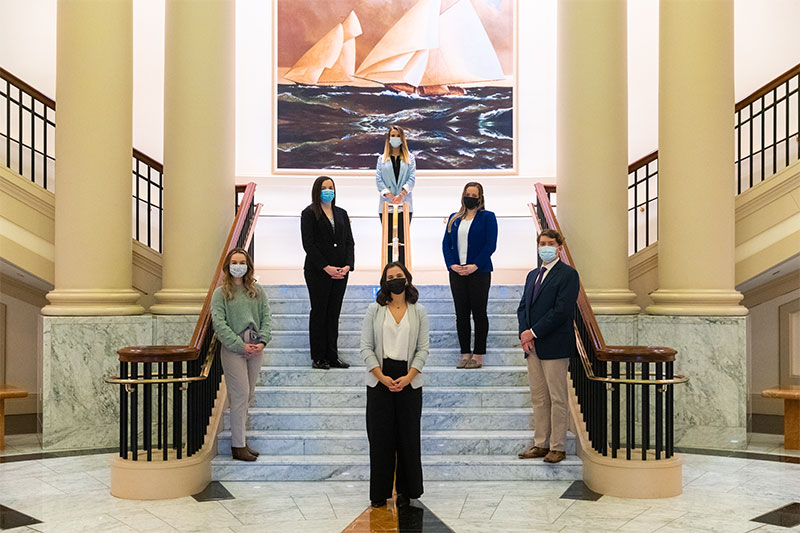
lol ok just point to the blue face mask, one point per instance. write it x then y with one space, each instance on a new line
327 195
547 253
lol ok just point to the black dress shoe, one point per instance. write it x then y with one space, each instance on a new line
321 365
379 503
338 364
403 500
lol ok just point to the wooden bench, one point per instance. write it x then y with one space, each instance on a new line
791 414
7 392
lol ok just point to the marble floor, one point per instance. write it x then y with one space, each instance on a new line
47 492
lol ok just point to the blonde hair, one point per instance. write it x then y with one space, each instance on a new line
248 282
463 211
387 148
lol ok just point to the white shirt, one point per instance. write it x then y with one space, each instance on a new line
395 337
549 266
463 236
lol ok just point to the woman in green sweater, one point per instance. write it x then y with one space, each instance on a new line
241 318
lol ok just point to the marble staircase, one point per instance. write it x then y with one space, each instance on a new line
310 424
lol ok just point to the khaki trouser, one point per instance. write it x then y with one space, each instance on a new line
241 374
548 380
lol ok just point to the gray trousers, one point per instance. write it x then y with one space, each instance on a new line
241 374
548 381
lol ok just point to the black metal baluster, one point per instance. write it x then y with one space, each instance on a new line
750 123
775 130
659 412
123 412
629 413
787 118
177 409
33 140
615 411
159 406
636 209
738 152
763 138
165 413
135 414
149 207
160 210
645 411
21 136
8 124
670 436
148 411
603 410
44 130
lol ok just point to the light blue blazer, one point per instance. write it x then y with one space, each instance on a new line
384 179
419 343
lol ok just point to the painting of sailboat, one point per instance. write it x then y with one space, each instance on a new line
442 69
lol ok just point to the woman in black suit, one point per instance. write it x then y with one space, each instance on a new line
329 246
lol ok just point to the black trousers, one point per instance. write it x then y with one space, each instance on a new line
393 423
470 296
326 295
401 237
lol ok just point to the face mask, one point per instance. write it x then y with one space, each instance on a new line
396 285
547 253
327 195
238 271
395 142
470 202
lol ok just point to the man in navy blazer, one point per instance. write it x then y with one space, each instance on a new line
546 314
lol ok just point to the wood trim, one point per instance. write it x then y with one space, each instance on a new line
639 163
146 159
407 236
157 354
28 89
384 234
637 354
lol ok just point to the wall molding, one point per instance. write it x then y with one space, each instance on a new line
771 189
22 291
643 261
772 289
28 193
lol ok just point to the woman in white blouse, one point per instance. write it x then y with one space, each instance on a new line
395 342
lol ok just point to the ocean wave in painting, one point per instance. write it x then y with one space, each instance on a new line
343 127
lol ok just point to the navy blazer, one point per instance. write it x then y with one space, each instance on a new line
552 313
481 241
325 245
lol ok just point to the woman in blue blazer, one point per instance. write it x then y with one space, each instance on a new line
394 177
469 242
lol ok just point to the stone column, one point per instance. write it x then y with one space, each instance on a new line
696 258
94 79
592 147
199 140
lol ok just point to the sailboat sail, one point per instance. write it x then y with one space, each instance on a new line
448 49
332 59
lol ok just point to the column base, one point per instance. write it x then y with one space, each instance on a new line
613 301
179 301
696 303
93 302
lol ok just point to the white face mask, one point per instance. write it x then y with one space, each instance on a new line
395 142
238 271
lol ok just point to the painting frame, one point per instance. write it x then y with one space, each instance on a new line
362 172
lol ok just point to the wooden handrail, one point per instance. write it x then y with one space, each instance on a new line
166 354
624 354
31 91
144 158
783 78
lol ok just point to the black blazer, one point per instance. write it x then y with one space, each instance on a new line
323 246
552 313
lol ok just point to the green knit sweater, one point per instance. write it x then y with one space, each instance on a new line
232 317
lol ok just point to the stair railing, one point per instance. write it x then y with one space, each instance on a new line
190 390
767 133
27 146
390 226
616 382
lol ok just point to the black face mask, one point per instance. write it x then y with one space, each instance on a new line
470 202
396 285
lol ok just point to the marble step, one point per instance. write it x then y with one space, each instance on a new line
352 338
357 397
353 418
352 322
496 376
439 357
356 468
358 306
369 291
356 442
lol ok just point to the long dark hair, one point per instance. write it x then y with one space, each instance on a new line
385 295
462 212
316 201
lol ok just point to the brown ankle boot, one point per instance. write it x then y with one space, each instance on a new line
241 454
251 450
